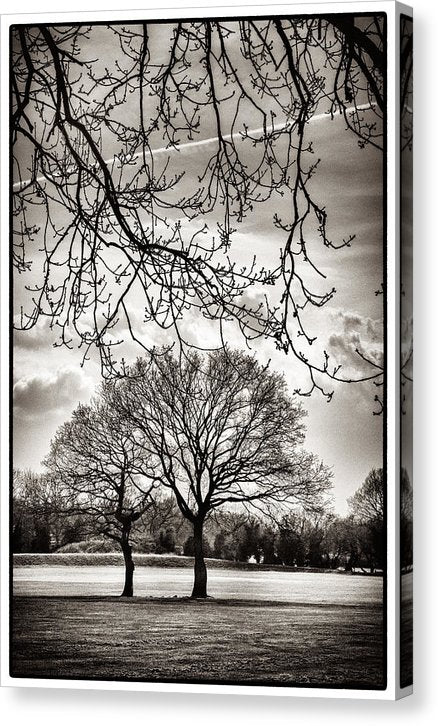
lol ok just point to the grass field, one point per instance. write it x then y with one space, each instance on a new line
260 627
406 627
91 559
307 587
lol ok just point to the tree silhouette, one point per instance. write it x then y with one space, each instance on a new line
406 521
406 83
368 502
39 524
367 506
222 431
104 473
113 240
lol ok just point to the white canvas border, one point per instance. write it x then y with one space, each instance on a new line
170 11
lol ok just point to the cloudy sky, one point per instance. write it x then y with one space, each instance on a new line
50 381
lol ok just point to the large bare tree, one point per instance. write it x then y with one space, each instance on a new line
223 431
104 473
108 228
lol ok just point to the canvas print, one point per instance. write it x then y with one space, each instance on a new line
198 334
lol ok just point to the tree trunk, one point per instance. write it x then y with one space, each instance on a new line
200 583
128 590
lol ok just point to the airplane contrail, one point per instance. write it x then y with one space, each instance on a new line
205 142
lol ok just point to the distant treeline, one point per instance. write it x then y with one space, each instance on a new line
301 539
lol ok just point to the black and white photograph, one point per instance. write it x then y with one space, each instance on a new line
198 350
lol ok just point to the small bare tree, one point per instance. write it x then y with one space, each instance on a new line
105 474
222 431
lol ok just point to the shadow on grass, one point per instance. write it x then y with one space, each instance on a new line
177 639
179 600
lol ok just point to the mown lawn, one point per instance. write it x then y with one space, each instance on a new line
220 640
406 630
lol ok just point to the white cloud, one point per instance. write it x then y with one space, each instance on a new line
356 335
43 393
36 338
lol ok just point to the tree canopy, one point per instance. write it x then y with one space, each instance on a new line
222 430
368 502
367 506
109 232
103 472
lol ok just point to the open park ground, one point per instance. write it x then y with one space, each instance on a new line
406 629
258 627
